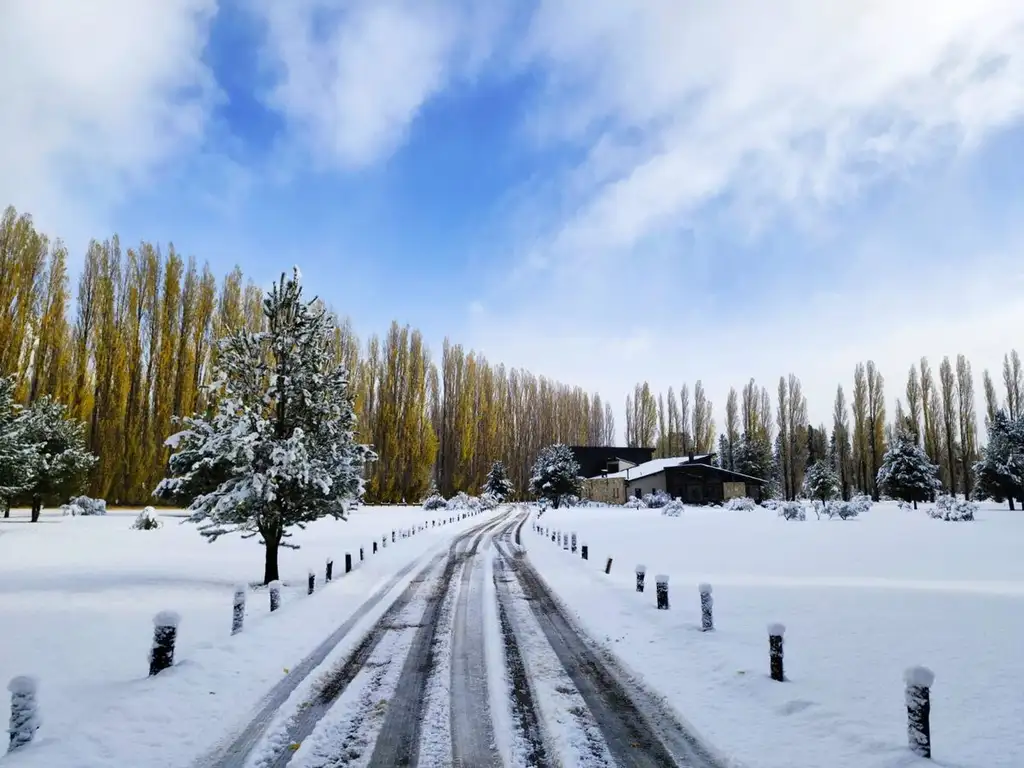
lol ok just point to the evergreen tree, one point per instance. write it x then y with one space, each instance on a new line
555 474
58 461
281 441
753 456
15 451
498 484
906 472
821 481
1000 471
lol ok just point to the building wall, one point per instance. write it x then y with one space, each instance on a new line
645 485
606 490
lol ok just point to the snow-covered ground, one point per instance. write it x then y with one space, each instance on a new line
861 600
77 597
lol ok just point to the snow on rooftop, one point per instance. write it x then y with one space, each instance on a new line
655 466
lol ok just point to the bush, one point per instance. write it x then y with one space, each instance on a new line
844 510
953 510
657 500
487 501
435 501
146 521
673 509
772 504
741 503
792 510
862 502
463 500
83 505
634 503
571 500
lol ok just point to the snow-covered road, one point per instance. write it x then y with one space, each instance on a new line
473 664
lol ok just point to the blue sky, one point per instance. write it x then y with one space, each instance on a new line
602 192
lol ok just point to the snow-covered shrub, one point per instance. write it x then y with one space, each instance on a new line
741 504
953 509
657 499
147 520
772 504
572 500
844 510
792 510
85 506
487 501
673 509
862 502
634 503
906 506
435 501
462 501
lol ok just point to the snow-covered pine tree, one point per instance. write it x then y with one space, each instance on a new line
498 485
58 460
279 450
555 474
906 472
1000 471
821 481
15 452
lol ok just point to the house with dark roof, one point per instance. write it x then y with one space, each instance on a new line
597 459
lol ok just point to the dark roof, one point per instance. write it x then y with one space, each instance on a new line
725 474
593 459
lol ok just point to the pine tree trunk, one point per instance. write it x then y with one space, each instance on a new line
270 571
1011 503
37 507
7 509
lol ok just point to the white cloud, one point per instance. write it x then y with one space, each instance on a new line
96 96
352 75
784 105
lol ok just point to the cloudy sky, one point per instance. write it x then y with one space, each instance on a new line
603 191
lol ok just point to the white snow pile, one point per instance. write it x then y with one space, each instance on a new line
435 501
634 503
84 506
953 509
792 510
741 504
147 520
462 501
657 499
673 509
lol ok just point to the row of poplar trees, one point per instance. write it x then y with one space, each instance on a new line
134 345
772 438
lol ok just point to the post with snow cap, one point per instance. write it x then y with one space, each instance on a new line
311 582
374 550
238 609
24 711
275 595
574 542
165 633
661 588
641 576
329 571
919 707
707 604
775 634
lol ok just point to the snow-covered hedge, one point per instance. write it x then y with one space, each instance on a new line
953 509
463 500
844 510
741 503
147 520
862 502
487 501
792 510
673 509
634 503
83 505
657 500
570 500
435 501
772 504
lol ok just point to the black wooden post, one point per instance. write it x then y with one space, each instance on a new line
707 603
775 634
383 541
375 547
641 575
919 707
608 566
360 554
275 595
348 562
329 571
311 583
574 542
661 588
583 551
24 711
553 536
165 632
238 609
392 537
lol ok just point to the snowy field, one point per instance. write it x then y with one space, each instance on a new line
861 600
77 597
